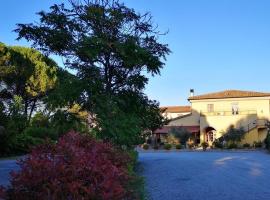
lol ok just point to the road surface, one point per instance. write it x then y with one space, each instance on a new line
206 175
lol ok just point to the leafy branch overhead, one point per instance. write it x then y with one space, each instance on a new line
25 73
112 49
102 40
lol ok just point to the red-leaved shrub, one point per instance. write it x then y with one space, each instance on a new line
77 167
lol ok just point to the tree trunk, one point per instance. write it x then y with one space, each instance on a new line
32 109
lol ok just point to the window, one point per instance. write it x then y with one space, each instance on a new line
210 107
235 109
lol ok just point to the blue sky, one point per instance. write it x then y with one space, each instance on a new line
216 45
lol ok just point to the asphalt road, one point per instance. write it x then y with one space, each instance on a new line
6 166
206 175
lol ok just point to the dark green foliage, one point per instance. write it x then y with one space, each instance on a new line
232 146
137 183
41 132
24 142
145 146
14 126
123 118
258 144
218 144
62 122
181 134
234 135
205 145
112 48
67 90
40 120
267 142
167 146
246 145
27 75
3 114
178 146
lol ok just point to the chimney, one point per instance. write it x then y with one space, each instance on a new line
191 93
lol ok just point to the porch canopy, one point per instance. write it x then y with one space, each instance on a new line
166 129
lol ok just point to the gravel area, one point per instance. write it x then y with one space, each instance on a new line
206 175
6 166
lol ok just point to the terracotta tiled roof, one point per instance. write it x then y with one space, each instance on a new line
229 94
176 109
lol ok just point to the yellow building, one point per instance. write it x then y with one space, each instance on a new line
212 114
171 112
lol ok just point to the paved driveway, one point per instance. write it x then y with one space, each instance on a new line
207 175
6 166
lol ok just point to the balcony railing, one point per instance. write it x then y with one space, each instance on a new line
262 123
229 113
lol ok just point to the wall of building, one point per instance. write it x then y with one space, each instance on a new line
251 104
222 123
251 110
188 120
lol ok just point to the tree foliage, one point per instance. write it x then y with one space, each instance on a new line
112 48
33 91
181 134
25 74
234 134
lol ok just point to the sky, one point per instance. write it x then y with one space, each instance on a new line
216 45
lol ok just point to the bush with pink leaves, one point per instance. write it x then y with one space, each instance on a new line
77 167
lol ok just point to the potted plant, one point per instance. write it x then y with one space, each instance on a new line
178 146
246 145
167 146
145 146
204 145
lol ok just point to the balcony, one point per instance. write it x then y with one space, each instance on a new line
229 113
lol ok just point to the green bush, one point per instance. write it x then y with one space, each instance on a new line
232 146
178 146
145 146
133 156
267 142
181 134
40 120
137 183
167 146
63 122
23 143
2 130
191 145
8 139
205 145
218 144
246 145
41 132
258 144
234 134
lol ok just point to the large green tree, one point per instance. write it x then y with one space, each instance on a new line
27 74
112 48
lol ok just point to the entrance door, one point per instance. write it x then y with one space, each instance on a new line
210 137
